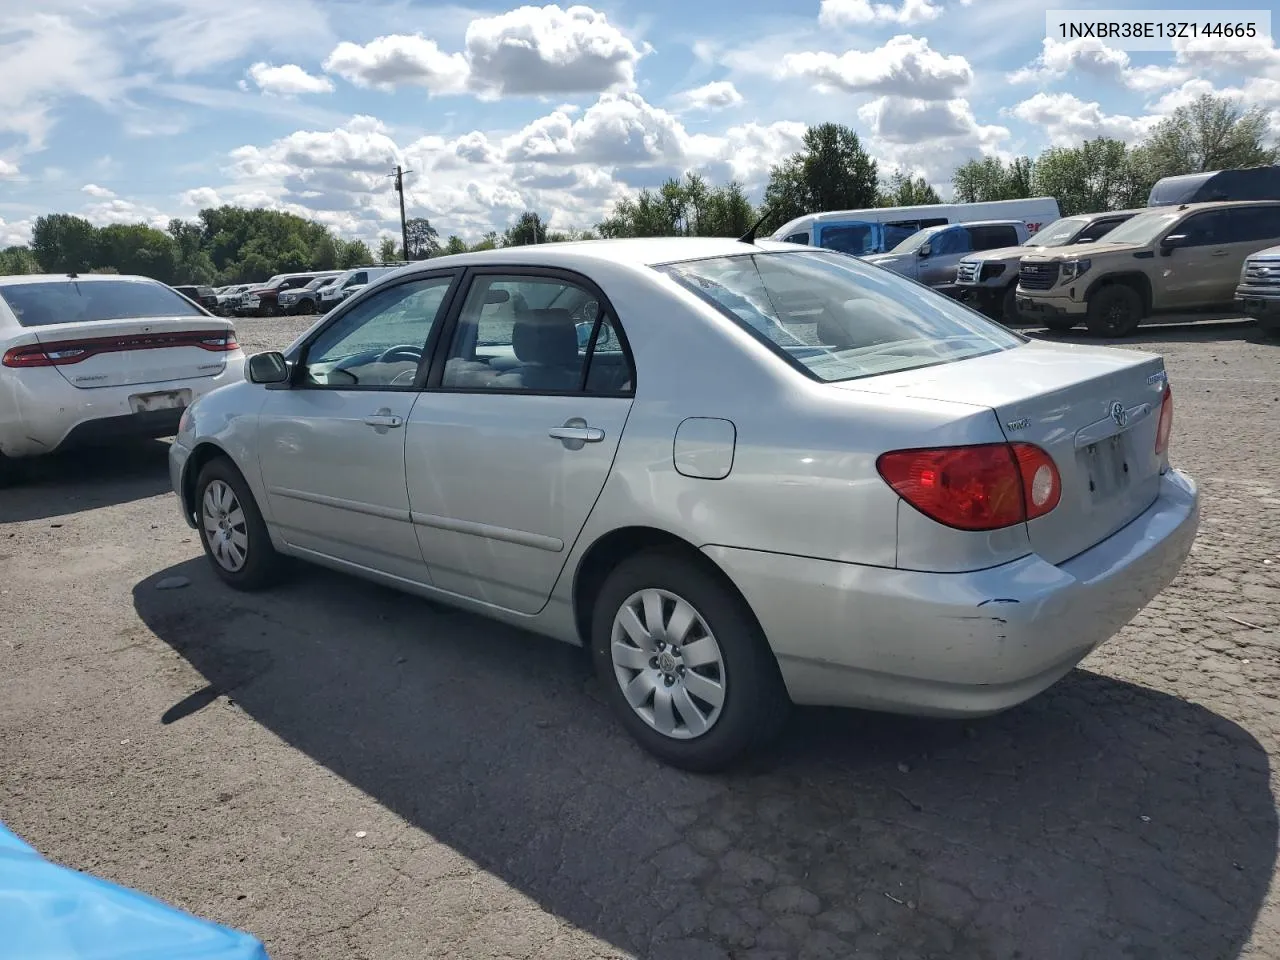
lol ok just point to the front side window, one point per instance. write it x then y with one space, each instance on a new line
798 238
538 334
917 240
869 321
378 343
1204 229
950 242
41 303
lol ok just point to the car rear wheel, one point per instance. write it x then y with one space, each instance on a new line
232 530
684 663
1114 311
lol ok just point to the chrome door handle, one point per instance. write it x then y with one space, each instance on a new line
383 420
583 434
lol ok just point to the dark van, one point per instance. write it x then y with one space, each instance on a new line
1251 183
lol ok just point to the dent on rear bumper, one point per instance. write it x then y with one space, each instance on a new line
962 644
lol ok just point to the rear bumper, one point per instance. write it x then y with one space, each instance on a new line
49 414
966 644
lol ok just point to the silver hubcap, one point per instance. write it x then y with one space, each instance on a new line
224 526
668 664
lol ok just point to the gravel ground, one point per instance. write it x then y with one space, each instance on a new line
351 773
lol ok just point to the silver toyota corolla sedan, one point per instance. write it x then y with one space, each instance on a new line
743 475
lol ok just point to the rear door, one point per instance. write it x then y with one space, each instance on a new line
510 446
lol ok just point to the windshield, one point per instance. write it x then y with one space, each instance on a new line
319 282
915 241
855 238
46 302
1059 233
836 318
1142 229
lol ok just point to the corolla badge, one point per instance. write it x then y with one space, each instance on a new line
1118 413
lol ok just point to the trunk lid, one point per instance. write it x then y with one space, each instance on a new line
116 353
1095 411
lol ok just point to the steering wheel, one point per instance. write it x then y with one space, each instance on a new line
403 351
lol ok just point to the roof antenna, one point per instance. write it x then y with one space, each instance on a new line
750 235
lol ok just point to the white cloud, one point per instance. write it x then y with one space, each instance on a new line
928 138
528 51
201 198
287 80
858 13
8 169
544 50
101 193
15 234
905 66
718 95
1067 120
1093 58
618 129
396 61
119 210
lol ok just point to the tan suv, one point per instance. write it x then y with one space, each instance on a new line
1166 260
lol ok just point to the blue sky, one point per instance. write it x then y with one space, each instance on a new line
129 110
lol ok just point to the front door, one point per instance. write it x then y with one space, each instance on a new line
511 444
1196 270
331 446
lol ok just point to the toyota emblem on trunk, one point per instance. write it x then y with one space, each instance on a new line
1118 413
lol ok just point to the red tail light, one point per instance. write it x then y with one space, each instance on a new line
1166 422
981 487
74 351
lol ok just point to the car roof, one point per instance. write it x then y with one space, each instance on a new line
6 281
636 252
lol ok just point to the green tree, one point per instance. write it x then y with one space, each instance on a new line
1211 133
988 179
353 253
454 244
488 242
193 263
63 243
527 229
18 260
424 241
138 249
680 208
832 172
1098 175
388 251
903 190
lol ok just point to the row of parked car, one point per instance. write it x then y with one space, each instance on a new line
1205 245
316 291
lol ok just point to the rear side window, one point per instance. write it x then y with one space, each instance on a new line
1253 224
42 303
836 318
994 237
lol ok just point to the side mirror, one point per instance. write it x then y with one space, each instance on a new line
925 250
1172 242
268 368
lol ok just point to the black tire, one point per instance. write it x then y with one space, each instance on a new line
306 307
262 566
1009 306
755 702
1114 311
1059 324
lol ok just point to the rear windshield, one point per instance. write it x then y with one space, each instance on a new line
41 303
836 318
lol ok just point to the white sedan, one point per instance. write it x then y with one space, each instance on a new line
744 475
91 359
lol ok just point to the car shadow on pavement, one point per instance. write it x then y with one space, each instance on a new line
1102 819
46 487
1155 333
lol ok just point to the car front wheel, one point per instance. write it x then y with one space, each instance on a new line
232 530
687 668
1114 311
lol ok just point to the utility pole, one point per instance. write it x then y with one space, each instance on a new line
404 229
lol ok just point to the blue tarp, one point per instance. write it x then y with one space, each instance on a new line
48 912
